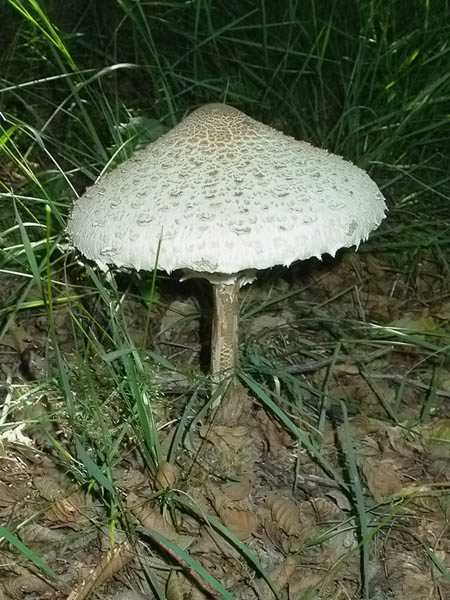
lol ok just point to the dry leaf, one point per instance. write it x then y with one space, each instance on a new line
23 586
7 496
290 523
238 491
166 476
285 513
34 534
150 517
177 586
303 583
279 576
68 511
241 522
382 477
325 510
225 438
212 543
234 515
111 563
48 488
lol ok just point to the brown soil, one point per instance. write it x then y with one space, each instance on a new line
256 479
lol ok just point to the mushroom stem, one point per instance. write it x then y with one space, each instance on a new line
224 335
225 353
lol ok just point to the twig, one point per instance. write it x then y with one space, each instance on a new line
397 378
318 481
326 362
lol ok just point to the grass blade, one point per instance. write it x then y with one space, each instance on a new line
12 539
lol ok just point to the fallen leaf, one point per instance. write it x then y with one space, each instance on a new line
305 584
226 439
238 490
212 543
68 511
243 523
383 479
290 523
111 563
437 438
325 510
25 585
177 586
279 577
234 515
285 513
166 476
406 577
150 517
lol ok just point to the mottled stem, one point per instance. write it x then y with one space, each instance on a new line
225 329
225 354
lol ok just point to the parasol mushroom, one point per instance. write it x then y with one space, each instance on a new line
219 197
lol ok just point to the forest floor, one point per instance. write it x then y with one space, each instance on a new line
353 352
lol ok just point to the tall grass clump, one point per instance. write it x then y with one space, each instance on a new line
83 84
368 80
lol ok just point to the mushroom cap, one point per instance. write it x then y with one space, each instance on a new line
223 193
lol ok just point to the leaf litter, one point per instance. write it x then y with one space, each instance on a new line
298 524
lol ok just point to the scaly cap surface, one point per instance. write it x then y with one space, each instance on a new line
223 193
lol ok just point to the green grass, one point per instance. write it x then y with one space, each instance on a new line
80 89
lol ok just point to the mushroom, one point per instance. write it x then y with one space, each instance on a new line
219 197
